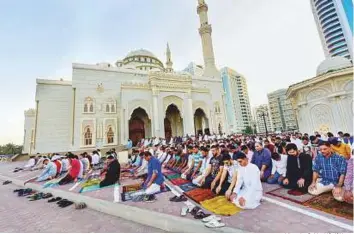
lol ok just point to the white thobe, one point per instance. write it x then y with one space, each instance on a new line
248 178
31 163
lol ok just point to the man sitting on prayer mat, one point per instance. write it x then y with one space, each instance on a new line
328 171
73 171
205 162
248 191
229 176
113 172
155 179
298 169
346 192
49 171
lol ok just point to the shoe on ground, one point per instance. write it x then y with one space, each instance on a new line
214 224
210 218
150 198
66 204
184 211
80 205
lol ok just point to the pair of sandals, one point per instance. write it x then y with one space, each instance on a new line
181 198
7 182
35 197
18 169
64 203
24 192
54 199
213 222
80 205
196 212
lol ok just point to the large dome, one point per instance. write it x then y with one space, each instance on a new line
141 60
333 63
140 52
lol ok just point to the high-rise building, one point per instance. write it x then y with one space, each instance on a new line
194 69
262 123
237 104
281 112
334 19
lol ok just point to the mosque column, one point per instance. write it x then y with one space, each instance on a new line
189 116
122 126
155 109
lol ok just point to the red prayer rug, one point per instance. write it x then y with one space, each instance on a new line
290 195
198 195
179 181
326 203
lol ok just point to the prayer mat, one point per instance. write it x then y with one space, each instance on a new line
94 187
54 182
283 193
173 176
179 181
221 206
131 187
198 195
128 196
187 187
326 202
169 173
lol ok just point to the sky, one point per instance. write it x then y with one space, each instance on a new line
273 43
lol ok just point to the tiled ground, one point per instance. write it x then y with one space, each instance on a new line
20 215
268 217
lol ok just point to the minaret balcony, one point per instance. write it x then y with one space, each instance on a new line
202 8
205 28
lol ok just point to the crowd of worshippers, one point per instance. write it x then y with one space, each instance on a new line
73 168
232 166
235 166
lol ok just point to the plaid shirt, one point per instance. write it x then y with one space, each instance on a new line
330 169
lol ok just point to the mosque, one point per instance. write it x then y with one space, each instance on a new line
137 97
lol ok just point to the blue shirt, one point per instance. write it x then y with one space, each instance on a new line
261 158
330 169
154 166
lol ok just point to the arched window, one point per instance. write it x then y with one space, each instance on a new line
88 105
85 108
88 136
107 108
110 136
113 108
110 105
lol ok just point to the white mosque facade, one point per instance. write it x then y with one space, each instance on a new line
137 97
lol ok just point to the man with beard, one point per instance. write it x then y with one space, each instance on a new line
214 169
298 169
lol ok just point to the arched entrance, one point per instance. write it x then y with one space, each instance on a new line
201 123
139 125
173 122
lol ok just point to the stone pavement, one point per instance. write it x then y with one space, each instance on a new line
268 217
20 215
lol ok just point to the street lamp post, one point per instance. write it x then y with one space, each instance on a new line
264 115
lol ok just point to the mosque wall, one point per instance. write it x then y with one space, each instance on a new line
53 108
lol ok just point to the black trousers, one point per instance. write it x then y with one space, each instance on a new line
66 180
293 184
105 183
208 180
224 187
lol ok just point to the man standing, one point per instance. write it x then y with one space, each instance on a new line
248 190
328 171
298 169
155 178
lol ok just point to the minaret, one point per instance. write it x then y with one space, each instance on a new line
168 60
207 43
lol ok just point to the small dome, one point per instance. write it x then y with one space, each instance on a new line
140 52
333 63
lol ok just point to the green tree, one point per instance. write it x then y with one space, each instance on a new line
248 130
10 148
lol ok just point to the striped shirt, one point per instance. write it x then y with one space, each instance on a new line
330 169
197 158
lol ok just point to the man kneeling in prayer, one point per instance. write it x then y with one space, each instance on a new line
49 171
248 190
154 180
74 171
113 172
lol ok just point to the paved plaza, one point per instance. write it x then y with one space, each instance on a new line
39 216
20 215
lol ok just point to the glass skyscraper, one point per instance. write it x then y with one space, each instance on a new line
334 19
